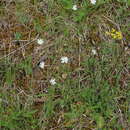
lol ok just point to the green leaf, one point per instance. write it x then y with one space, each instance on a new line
10 75
128 2
18 35
99 120
26 65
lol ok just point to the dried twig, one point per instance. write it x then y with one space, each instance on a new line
20 48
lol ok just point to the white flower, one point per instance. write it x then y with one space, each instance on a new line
53 81
40 41
93 1
42 64
94 51
64 59
74 7
126 48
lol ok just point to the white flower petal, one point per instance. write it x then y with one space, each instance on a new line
64 59
42 65
126 48
93 1
40 41
94 52
52 81
74 7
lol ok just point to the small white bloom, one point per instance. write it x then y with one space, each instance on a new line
42 64
64 59
93 1
53 81
94 51
126 48
40 41
74 7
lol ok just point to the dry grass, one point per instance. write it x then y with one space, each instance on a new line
91 91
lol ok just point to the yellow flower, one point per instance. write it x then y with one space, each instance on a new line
113 30
115 34
119 35
107 33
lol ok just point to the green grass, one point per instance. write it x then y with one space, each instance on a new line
91 91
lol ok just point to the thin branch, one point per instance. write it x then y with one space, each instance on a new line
20 48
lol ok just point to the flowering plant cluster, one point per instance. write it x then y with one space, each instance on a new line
115 34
